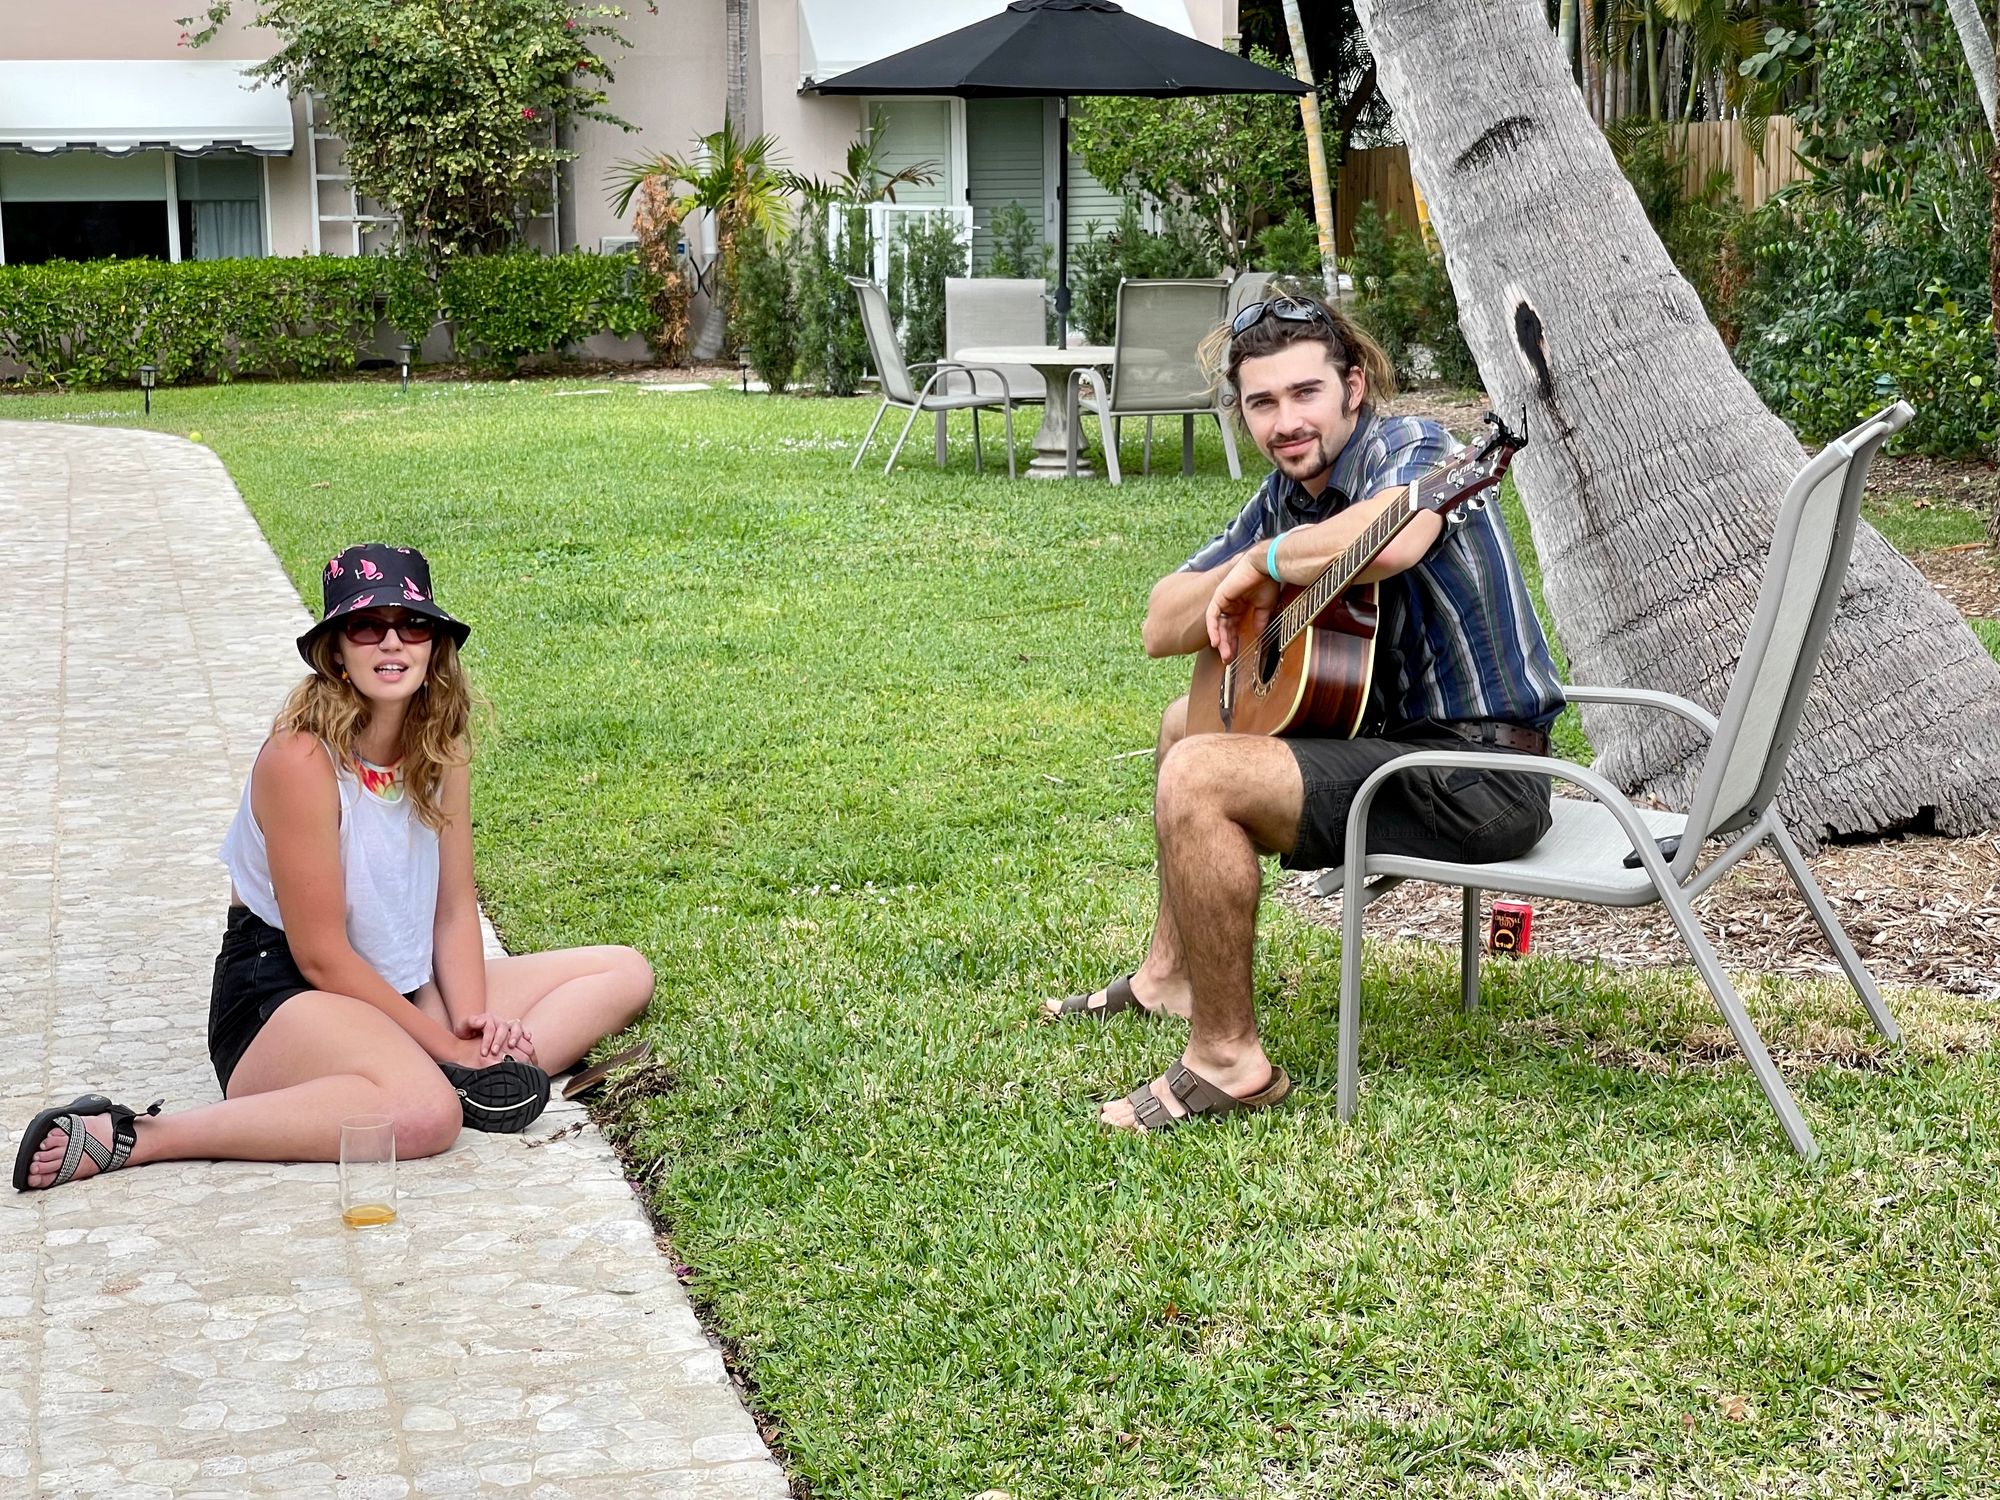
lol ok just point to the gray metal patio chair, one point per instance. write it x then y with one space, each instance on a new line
901 392
1588 855
997 310
1156 371
1248 287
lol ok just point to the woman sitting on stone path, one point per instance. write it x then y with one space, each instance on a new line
352 979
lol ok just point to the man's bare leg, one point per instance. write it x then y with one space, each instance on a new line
1221 803
1160 983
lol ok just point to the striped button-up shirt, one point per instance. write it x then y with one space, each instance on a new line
1458 637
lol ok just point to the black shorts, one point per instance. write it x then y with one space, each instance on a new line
254 975
1467 816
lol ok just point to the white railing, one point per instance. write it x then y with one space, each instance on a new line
885 222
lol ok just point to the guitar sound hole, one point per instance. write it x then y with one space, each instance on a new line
1267 662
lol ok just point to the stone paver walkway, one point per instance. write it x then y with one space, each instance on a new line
210 1329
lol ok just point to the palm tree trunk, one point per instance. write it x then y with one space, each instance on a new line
1970 20
1593 91
1653 480
1322 186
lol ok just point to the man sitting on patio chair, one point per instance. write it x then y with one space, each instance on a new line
1459 657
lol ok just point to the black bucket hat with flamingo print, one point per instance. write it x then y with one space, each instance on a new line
374 575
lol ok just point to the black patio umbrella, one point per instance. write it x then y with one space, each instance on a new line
1055 48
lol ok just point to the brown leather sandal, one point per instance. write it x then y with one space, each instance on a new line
585 1079
1118 998
1200 1098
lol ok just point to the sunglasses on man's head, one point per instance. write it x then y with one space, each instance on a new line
1284 309
369 630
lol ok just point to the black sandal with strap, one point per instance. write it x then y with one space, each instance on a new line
1118 998
69 1119
1199 1097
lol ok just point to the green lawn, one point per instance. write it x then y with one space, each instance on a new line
847 757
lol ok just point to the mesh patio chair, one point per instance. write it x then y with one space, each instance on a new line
1606 851
997 310
901 392
1156 371
1248 287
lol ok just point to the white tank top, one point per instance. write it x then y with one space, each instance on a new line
389 865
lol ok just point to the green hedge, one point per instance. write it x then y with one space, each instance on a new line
96 322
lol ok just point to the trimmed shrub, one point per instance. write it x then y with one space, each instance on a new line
1403 298
507 307
95 322
767 308
1184 247
927 251
834 352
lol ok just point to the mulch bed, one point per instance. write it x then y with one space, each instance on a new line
1920 910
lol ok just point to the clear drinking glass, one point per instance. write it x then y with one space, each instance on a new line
367 1171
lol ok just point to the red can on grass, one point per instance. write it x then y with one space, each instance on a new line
1510 927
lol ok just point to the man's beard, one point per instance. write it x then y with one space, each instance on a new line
1316 460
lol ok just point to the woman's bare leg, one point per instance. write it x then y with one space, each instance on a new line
568 998
319 1059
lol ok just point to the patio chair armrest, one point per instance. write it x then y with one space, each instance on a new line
1671 703
1619 805
1003 394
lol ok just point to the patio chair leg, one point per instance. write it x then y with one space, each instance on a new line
1146 450
901 438
978 453
1072 408
1836 935
1187 446
1115 425
1468 953
940 439
1007 412
884 407
1229 444
1769 1079
1353 907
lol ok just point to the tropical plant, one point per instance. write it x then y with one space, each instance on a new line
658 223
738 183
867 179
830 246
1404 299
494 84
1291 246
929 248
1018 246
767 319
1235 161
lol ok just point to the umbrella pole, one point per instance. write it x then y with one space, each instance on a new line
1062 219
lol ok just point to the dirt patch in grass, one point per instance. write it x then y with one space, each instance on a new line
1968 576
1921 911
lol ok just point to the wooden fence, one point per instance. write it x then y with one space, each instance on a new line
1382 174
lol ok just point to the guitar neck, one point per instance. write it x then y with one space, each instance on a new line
1337 575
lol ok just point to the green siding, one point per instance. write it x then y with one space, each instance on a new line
1005 154
1089 200
908 131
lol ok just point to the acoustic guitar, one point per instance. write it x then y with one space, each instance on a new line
1309 672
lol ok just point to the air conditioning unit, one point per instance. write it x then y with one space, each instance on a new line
617 244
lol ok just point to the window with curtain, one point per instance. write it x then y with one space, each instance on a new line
222 206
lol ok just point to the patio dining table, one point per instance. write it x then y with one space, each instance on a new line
1055 363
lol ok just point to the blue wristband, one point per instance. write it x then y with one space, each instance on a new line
1271 558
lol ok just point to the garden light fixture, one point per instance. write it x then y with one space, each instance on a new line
743 367
147 374
408 351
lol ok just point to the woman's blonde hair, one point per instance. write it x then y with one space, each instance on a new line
437 727
1347 346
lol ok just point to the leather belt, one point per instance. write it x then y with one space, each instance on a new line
1498 732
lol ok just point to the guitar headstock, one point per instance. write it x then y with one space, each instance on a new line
1469 472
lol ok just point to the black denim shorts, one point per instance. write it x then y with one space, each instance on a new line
254 975
1467 816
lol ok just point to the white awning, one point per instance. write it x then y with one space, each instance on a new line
836 36
118 107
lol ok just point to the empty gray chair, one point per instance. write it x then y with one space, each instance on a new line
984 311
1587 855
1156 371
1248 287
901 392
